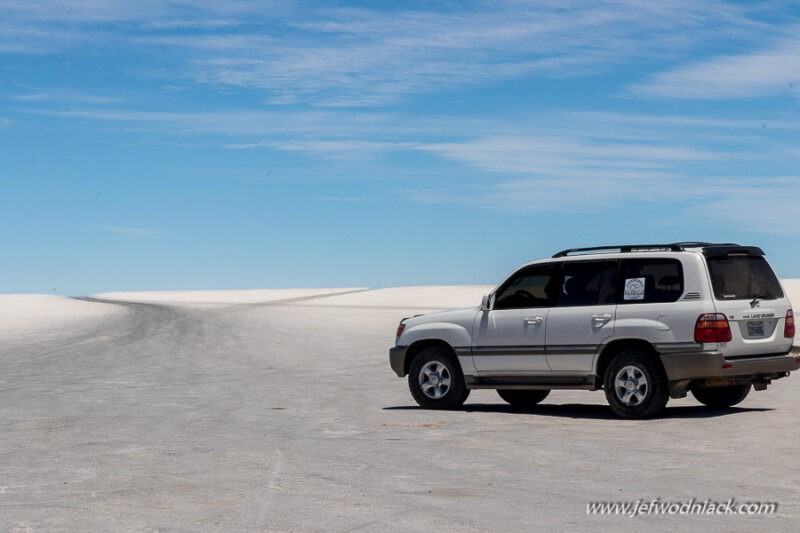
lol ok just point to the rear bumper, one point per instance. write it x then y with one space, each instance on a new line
397 360
681 366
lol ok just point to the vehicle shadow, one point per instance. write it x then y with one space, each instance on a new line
592 411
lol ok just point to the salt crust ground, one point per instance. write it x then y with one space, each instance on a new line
219 296
286 417
22 314
423 297
26 313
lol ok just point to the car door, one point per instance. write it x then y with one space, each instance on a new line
583 317
509 338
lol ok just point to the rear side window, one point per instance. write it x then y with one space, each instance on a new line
650 281
588 283
743 277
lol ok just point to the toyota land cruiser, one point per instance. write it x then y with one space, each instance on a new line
645 323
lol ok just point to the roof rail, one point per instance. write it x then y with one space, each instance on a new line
693 244
625 248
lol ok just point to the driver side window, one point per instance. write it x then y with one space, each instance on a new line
529 288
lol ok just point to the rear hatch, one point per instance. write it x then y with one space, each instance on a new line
748 292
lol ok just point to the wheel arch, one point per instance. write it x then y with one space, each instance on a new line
417 346
620 345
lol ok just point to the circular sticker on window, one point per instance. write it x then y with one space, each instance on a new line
634 289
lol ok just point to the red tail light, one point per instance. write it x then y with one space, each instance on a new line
788 329
712 327
400 328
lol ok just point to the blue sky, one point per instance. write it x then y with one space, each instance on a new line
240 144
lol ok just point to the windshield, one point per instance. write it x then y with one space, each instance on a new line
743 277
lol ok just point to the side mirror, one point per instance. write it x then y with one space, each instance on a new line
486 302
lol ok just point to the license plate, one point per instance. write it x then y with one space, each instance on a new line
755 329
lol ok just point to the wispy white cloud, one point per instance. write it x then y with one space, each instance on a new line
53 26
239 123
769 71
20 38
341 149
344 199
364 57
554 156
599 162
766 206
130 232
296 52
101 11
555 144
704 123
555 161
64 96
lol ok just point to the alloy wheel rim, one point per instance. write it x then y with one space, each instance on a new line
630 386
434 380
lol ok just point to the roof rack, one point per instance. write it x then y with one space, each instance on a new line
621 248
694 244
628 248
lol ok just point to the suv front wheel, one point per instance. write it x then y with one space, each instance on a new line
635 385
436 381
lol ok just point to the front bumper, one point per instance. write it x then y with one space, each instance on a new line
397 360
681 366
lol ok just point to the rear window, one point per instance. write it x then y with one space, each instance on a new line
743 277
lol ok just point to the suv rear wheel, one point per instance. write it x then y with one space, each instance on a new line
436 381
722 396
635 385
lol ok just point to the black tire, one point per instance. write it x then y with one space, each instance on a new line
435 379
722 397
635 385
522 399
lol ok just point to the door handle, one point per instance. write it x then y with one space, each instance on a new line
601 319
534 320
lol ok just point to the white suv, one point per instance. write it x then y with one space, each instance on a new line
643 322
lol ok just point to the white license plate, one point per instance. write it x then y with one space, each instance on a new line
755 329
